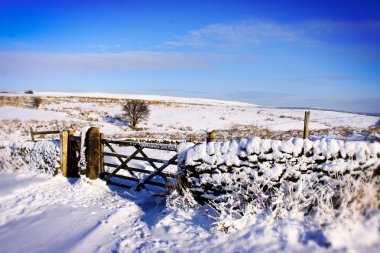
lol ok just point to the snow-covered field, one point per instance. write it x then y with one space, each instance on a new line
176 118
40 212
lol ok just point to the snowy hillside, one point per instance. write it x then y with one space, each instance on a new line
178 118
130 96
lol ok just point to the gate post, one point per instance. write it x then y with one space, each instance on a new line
306 125
92 153
72 157
64 151
101 156
211 136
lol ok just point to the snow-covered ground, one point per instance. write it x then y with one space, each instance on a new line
24 114
40 212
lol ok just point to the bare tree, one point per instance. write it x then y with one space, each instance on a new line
36 102
136 111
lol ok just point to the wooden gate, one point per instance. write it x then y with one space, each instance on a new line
155 171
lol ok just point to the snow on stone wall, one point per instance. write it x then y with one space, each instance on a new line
41 156
312 176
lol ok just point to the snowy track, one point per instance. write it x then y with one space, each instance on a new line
40 213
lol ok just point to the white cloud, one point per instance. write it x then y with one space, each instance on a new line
31 62
254 32
329 26
243 32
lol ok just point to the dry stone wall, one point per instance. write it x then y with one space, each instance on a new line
41 156
265 171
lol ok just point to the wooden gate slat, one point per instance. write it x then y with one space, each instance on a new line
141 170
147 179
169 147
113 151
157 170
123 164
155 160
154 166
119 157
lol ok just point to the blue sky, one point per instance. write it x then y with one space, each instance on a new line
322 54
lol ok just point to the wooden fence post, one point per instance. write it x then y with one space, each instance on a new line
211 136
306 125
31 133
71 132
92 145
64 151
72 155
101 156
